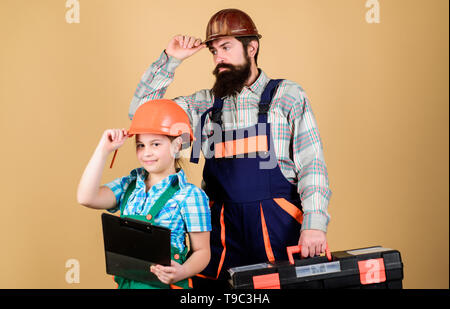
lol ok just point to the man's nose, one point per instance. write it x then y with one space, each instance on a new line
219 59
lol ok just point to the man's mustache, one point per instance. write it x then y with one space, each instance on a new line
223 66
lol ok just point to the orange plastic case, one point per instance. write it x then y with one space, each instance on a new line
364 268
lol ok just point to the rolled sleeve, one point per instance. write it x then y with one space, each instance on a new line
119 186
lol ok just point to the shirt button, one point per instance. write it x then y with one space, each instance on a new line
176 256
149 217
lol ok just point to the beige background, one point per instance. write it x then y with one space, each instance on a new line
379 93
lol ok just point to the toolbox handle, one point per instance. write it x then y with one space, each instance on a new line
298 249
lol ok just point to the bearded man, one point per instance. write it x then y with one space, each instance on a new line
245 122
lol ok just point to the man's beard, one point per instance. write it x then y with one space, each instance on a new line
230 81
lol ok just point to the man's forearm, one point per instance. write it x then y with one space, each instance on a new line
154 82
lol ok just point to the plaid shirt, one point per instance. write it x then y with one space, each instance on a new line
296 138
187 211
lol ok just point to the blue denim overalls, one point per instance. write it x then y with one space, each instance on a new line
255 211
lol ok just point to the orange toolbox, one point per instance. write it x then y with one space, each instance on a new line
364 268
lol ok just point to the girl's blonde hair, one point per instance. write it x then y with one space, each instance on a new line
178 161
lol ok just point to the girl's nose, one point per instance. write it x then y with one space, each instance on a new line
148 152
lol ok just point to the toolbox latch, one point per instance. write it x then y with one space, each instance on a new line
269 281
372 271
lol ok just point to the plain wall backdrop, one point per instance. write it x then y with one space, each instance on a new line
379 92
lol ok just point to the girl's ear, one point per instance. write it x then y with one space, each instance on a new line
176 146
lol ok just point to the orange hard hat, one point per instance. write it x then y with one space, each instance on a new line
161 117
230 22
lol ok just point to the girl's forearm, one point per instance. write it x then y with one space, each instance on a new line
90 182
196 262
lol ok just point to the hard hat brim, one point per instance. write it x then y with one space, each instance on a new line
259 36
131 133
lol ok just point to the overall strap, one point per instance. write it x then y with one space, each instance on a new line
266 99
217 111
162 200
216 117
128 192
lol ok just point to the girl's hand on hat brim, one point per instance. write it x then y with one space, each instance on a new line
113 139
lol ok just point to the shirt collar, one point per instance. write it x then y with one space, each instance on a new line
182 181
140 174
260 83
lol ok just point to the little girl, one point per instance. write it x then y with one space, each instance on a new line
160 127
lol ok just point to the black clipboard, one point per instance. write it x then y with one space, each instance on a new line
132 246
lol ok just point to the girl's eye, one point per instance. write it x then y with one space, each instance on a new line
139 145
156 144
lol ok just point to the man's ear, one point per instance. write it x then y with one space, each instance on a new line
252 48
